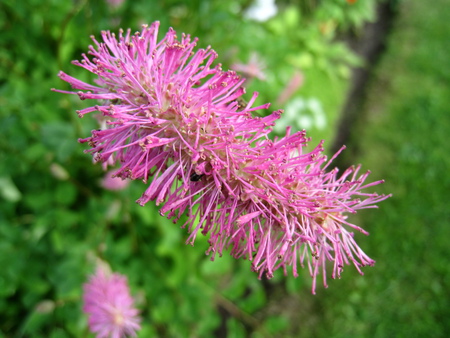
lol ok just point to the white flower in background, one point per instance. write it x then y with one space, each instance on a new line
262 10
301 113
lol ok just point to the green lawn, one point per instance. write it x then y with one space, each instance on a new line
401 136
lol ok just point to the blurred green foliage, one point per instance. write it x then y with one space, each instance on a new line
56 220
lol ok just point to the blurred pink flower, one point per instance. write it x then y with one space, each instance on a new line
254 68
115 3
176 122
295 83
111 182
110 308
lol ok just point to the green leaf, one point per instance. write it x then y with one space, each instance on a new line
8 190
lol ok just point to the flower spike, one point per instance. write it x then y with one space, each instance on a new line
175 122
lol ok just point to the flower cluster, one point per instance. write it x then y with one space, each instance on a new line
109 305
177 122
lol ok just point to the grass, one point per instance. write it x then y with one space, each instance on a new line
402 137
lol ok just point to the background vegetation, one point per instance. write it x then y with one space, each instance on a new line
56 219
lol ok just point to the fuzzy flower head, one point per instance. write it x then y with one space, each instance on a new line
177 123
108 303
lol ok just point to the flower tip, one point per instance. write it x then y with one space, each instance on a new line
269 274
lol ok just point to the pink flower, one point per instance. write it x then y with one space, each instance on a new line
115 3
295 83
254 68
174 121
111 182
108 303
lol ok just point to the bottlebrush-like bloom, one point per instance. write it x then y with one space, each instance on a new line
109 305
175 122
